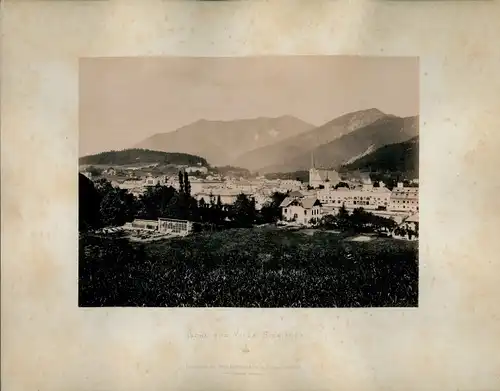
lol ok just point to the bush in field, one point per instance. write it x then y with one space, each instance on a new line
357 222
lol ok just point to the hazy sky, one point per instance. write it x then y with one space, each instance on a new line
125 100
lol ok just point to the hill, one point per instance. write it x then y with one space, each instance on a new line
136 155
279 152
384 131
221 142
399 157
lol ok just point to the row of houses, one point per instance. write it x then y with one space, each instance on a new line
400 199
300 208
398 205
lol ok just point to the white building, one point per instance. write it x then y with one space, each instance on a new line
148 225
325 178
404 199
243 185
227 196
197 185
153 181
163 226
373 198
301 210
202 169
174 226
290 184
130 184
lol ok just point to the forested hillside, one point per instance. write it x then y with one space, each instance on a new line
137 155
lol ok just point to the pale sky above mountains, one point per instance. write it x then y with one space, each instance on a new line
125 100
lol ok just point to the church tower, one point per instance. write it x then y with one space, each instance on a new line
313 174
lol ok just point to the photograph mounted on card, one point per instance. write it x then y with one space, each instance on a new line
274 181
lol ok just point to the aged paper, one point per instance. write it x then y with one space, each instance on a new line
449 342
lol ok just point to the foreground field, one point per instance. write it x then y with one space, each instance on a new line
250 268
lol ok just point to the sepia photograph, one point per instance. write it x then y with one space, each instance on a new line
271 182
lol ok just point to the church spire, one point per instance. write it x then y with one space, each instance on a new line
312 159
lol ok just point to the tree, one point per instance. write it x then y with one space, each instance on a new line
174 208
328 222
88 204
341 184
103 186
187 185
94 171
342 218
271 211
181 182
244 211
360 220
155 202
117 207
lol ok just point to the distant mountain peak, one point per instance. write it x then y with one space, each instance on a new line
222 141
373 110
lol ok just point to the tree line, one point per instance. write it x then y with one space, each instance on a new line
362 221
136 155
103 205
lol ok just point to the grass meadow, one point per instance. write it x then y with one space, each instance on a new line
258 267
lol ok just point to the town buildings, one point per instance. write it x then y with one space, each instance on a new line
367 198
290 184
302 203
227 196
377 200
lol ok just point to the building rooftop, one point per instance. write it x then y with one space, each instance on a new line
308 203
287 201
296 193
412 218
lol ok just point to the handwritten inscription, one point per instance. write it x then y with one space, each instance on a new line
280 335
244 366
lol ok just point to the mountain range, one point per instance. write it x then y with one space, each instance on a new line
384 131
222 142
286 143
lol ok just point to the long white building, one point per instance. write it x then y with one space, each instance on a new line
404 199
375 198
